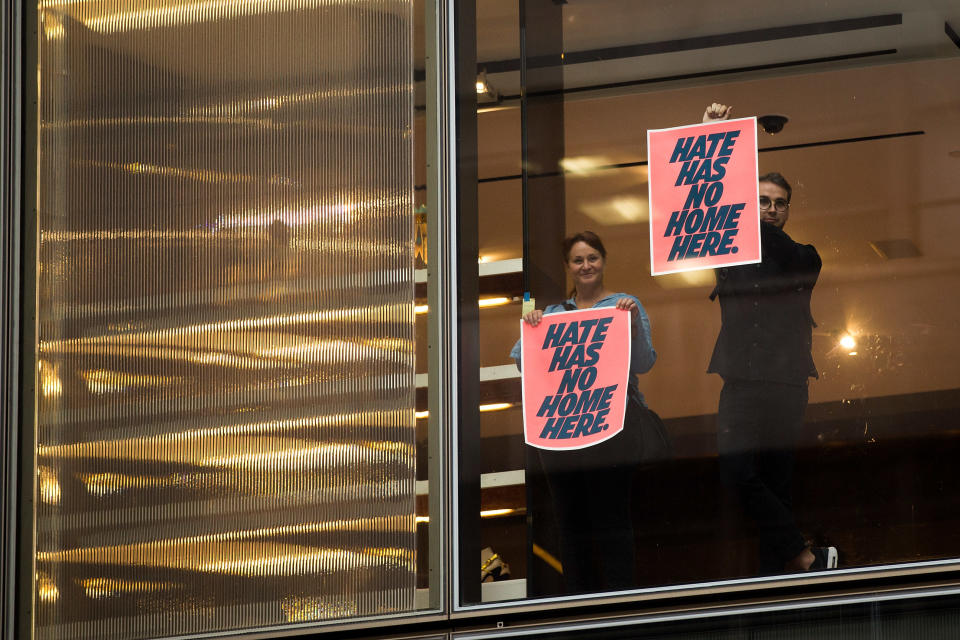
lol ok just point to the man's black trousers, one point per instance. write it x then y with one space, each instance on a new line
758 427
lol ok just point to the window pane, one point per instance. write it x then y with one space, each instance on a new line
869 148
226 428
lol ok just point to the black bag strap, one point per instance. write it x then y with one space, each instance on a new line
721 274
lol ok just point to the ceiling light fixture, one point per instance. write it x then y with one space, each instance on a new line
483 303
495 406
849 344
486 93
493 302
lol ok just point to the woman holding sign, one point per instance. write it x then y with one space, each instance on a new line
590 487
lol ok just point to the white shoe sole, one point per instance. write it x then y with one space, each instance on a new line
832 557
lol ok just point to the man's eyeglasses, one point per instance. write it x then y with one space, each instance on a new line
779 204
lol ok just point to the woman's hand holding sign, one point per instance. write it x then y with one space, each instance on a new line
628 304
533 318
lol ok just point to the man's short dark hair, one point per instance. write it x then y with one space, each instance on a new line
778 180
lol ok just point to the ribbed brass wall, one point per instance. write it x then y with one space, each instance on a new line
226 362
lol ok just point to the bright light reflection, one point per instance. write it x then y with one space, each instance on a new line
102 382
848 342
198 175
46 588
583 165
494 513
496 406
50 385
212 449
493 302
487 513
49 485
618 210
107 587
253 558
483 303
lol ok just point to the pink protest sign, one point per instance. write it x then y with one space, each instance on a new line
575 367
703 196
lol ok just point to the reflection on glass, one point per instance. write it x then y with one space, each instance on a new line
226 359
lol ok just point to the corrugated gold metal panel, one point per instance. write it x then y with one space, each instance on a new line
226 362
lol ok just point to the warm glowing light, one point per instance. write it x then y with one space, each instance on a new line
848 342
213 448
496 406
583 165
331 351
240 558
108 587
489 513
50 385
198 175
618 210
344 212
100 382
105 484
481 87
46 588
306 608
483 260
687 279
493 302
52 25
49 486
483 303
206 344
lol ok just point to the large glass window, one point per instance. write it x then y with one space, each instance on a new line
869 150
227 356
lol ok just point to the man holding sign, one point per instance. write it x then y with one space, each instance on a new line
703 196
763 355
577 367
